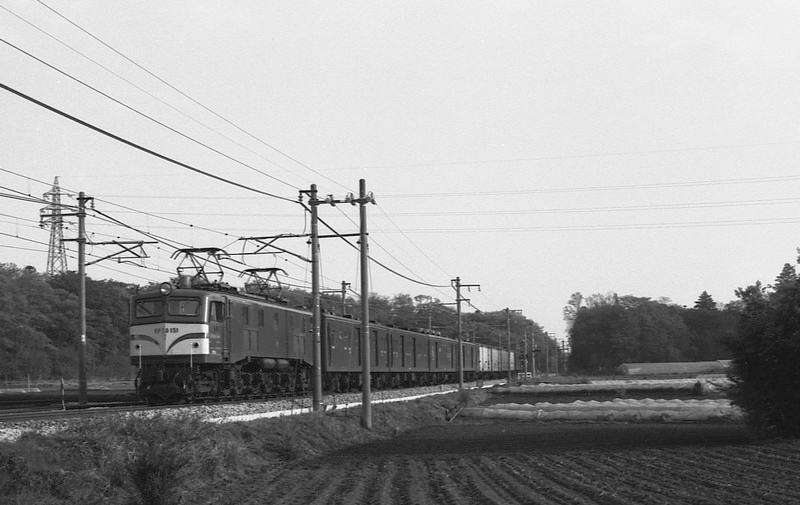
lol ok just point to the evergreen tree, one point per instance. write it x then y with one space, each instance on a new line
705 302
766 353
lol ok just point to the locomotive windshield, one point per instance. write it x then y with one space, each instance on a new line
156 309
149 308
183 306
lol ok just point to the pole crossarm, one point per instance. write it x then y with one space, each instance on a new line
269 242
135 250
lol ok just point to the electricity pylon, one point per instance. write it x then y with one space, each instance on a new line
51 216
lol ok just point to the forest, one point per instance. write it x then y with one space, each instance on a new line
39 327
608 330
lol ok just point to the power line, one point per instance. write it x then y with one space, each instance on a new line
37 242
132 109
373 260
635 226
273 148
115 222
574 156
133 85
675 206
137 146
602 188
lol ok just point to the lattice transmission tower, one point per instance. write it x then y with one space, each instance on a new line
51 216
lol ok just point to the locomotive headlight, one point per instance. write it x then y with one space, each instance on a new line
165 288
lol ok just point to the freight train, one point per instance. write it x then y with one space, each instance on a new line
195 340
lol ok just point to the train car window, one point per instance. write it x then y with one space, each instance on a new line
215 312
331 346
414 351
246 316
260 318
375 345
358 345
276 320
183 306
149 308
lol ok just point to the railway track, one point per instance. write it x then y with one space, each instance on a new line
212 408
38 409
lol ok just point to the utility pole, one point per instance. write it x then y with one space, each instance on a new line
456 283
81 240
557 355
343 291
366 378
316 317
525 352
533 352
363 199
82 383
547 351
82 264
508 326
127 246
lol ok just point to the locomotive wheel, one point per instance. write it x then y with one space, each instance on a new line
282 389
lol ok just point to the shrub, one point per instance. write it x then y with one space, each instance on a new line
765 371
128 459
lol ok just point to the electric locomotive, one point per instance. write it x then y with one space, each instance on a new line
204 339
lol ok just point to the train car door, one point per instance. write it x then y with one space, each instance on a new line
217 329
226 330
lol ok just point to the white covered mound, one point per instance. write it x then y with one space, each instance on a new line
616 410
708 384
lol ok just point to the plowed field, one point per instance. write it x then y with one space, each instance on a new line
515 462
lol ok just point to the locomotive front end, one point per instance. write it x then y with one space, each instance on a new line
169 336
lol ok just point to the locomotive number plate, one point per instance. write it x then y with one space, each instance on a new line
172 329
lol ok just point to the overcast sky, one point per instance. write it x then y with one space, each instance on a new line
534 148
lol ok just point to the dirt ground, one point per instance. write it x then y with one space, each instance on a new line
473 461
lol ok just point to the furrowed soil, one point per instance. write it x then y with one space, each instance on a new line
471 461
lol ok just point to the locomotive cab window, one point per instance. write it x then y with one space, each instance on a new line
149 308
183 306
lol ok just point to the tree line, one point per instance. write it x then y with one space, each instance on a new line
40 327
608 330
